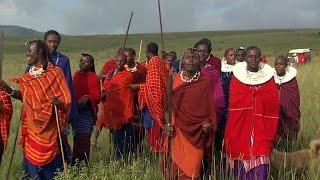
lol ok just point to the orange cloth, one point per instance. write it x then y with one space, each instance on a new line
39 132
188 144
153 93
119 106
5 116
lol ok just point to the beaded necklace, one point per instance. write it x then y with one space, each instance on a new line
188 80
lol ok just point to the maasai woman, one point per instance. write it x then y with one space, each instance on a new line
42 88
285 77
88 95
253 118
226 74
194 127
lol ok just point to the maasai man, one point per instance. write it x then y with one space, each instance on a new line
119 109
153 97
176 62
139 73
240 54
88 95
285 77
253 118
226 74
41 89
194 128
6 111
108 66
169 60
53 39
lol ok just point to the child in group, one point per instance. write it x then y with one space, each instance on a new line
226 74
289 119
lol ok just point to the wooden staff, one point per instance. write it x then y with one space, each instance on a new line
140 51
60 139
126 37
14 148
1 53
163 52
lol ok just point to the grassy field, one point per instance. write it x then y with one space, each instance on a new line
102 165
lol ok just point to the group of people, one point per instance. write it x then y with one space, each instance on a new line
239 106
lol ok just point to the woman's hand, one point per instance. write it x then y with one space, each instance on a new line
206 128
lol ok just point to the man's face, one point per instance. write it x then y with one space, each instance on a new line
52 42
203 51
121 60
32 54
169 60
130 57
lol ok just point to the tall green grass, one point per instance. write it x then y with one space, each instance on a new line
147 165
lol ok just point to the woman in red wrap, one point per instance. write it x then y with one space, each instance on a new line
194 127
285 78
253 118
88 94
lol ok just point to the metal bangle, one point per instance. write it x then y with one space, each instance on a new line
11 92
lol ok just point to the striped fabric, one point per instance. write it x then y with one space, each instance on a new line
119 106
153 93
39 129
85 121
5 116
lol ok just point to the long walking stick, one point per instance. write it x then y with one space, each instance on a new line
161 30
60 139
14 148
140 49
1 53
126 37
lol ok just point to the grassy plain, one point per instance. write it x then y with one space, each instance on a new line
102 47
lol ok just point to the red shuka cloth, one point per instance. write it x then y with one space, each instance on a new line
5 116
109 66
289 124
119 106
153 93
88 84
39 128
192 106
251 108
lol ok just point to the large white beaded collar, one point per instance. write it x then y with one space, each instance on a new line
291 73
264 74
225 67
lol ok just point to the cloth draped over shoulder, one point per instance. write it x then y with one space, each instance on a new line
39 132
215 62
5 116
216 83
289 124
119 106
153 93
109 66
189 142
88 84
252 109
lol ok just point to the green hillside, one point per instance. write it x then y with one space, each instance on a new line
11 30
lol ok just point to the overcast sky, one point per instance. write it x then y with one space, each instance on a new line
82 17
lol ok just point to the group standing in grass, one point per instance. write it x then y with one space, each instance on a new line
239 107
